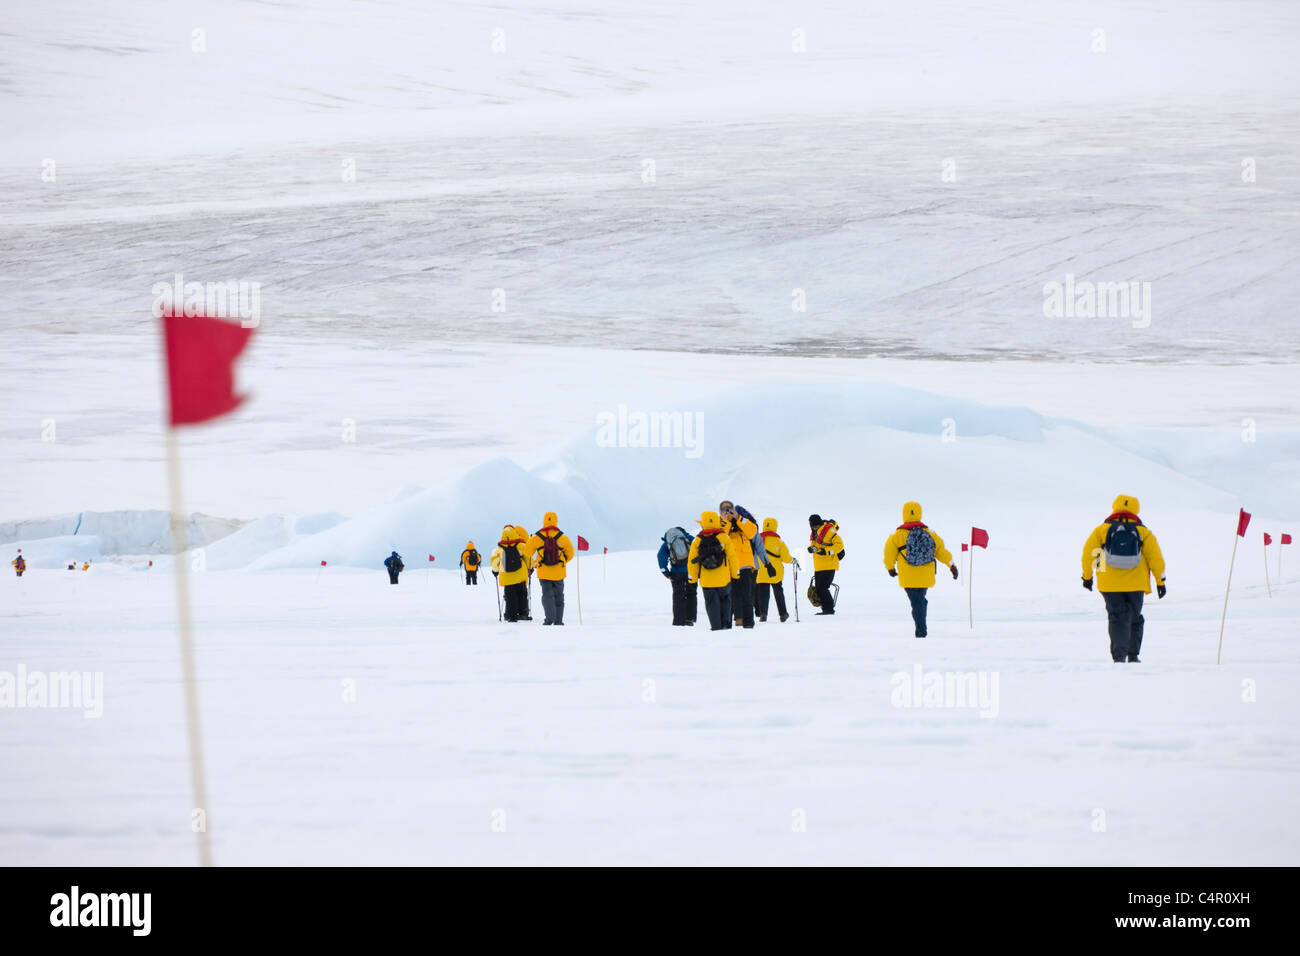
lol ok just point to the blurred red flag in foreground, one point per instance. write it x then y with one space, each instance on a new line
583 545
979 538
1286 538
201 354
1243 519
1267 540
430 557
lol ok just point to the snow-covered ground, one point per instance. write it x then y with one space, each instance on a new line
830 262
626 740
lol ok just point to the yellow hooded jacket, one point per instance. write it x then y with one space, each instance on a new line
724 573
511 536
741 532
911 576
777 553
537 544
465 562
1125 508
826 553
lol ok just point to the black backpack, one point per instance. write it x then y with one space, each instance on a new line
551 554
471 557
711 555
1123 546
511 559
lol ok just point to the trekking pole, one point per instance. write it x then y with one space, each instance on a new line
498 584
796 592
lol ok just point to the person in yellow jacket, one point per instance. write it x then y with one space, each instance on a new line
742 530
1124 555
713 565
509 563
772 573
827 549
470 560
911 555
552 551
19 564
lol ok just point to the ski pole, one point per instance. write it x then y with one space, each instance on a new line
498 584
796 592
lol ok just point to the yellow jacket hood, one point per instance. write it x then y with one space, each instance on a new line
710 519
550 520
769 524
1125 503
911 512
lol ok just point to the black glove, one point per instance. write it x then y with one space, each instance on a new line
840 556
668 576
953 569
893 573
1160 590
771 571
1087 584
495 575
810 549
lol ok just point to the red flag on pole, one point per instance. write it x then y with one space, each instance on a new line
604 550
979 538
1267 540
583 544
1243 519
965 546
1286 539
201 353
322 564
431 557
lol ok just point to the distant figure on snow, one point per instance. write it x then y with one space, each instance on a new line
674 558
1124 554
911 554
713 564
552 551
772 572
509 563
395 566
827 550
20 565
470 560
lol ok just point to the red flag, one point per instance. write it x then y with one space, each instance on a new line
1286 538
151 564
604 550
430 557
322 564
1267 539
582 544
979 538
1243 519
201 353
965 546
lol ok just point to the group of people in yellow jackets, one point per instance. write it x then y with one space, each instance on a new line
517 556
740 570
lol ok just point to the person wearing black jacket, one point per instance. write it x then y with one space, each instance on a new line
394 565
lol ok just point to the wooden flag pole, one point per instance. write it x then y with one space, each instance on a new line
188 676
1218 659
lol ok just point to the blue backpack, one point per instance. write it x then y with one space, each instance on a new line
919 549
1123 546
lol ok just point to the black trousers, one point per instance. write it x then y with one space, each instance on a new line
717 605
764 596
684 599
392 576
742 597
1125 623
516 601
919 604
471 577
822 585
